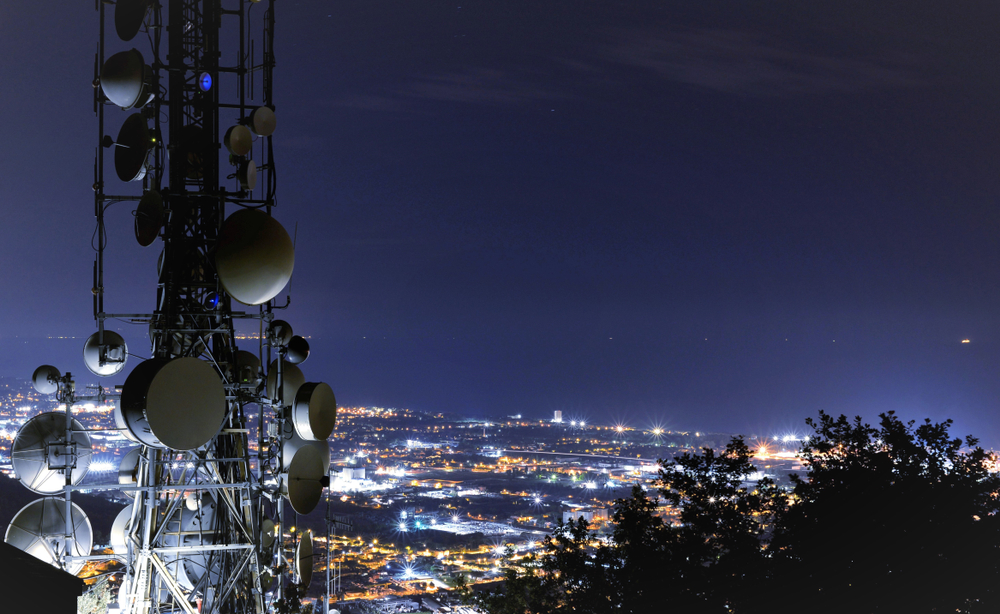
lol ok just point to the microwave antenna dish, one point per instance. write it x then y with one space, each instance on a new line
44 450
39 529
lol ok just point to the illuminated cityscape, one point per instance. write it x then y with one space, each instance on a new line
418 499
665 306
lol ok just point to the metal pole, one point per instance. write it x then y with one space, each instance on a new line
329 547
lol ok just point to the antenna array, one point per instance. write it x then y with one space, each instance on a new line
221 443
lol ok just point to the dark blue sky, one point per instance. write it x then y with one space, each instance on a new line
715 215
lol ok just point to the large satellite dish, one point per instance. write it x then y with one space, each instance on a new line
132 148
148 218
304 559
314 412
175 403
292 376
126 80
119 532
129 15
304 480
45 379
40 530
106 358
254 256
40 449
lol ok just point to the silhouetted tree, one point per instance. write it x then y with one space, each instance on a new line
568 575
646 564
891 519
894 518
725 520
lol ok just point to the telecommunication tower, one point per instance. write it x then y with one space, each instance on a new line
226 439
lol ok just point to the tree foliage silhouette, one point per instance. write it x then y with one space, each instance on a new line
646 564
895 518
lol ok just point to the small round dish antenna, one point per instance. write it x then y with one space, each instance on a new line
247 174
127 471
129 15
148 218
45 379
292 376
280 333
40 530
175 403
119 531
132 148
41 452
314 412
106 358
254 256
304 480
126 80
262 121
268 531
238 140
266 580
247 368
304 559
297 350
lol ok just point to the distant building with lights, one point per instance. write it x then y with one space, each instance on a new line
590 514
352 473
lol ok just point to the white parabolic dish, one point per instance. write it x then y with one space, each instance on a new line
115 354
123 79
39 529
32 448
119 530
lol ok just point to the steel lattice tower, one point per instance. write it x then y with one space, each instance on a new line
205 530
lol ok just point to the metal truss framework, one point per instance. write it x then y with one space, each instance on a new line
195 534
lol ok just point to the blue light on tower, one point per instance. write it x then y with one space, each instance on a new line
205 81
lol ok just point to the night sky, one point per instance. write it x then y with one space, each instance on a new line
706 215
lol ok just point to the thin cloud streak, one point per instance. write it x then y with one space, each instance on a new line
727 61
739 63
477 86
